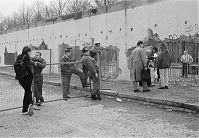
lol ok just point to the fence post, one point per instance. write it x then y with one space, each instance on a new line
99 65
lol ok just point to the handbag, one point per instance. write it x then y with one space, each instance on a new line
145 74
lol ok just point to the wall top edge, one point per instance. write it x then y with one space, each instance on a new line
83 14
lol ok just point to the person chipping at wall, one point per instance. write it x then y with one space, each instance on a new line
67 69
93 72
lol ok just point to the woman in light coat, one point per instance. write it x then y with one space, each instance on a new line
138 62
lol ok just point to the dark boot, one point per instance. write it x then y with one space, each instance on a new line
93 97
42 99
99 96
38 102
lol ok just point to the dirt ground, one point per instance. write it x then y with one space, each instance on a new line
82 117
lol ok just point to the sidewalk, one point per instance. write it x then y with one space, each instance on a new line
181 95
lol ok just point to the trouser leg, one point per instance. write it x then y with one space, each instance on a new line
135 85
96 84
184 69
144 83
85 72
81 76
162 79
158 73
38 83
66 77
166 77
27 100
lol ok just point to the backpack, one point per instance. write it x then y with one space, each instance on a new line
20 69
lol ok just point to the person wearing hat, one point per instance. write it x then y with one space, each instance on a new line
95 50
66 72
139 62
93 71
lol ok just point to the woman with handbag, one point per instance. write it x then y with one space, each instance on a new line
164 63
138 63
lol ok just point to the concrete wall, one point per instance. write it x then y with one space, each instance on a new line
122 28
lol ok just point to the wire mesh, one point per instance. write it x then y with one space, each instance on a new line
11 93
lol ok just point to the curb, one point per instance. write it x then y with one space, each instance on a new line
131 97
161 102
138 98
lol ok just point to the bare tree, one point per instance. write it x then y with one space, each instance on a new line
2 23
25 15
39 10
58 7
100 3
79 5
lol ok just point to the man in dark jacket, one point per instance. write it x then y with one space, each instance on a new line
66 72
39 65
93 72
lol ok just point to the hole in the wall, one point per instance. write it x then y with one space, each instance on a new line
131 29
101 32
185 22
85 34
60 36
155 25
120 29
110 31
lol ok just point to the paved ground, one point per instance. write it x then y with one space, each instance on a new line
82 117
181 92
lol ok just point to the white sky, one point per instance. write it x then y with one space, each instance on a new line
7 7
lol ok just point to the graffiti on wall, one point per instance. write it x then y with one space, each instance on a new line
192 29
175 44
42 46
110 62
109 59
150 41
